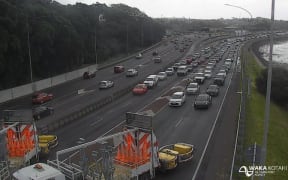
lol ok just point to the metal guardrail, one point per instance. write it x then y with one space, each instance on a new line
4 171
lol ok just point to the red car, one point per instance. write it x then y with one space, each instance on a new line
40 98
140 89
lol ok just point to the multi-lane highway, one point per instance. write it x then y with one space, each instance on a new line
171 125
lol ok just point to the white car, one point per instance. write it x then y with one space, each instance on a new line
177 99
169 71
151 81
106 84
199 78
208 74
162 76
193 88
131 72
139 56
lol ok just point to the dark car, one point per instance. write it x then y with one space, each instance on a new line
41 112
119 69
203 101
219 80
213 90
155 53
88 75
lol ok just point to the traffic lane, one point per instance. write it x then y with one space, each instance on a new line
217 165
62 89
185 124
78 101
102 121
87 98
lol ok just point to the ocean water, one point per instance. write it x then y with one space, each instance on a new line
280 52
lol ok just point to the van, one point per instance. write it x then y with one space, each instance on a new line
151 81
182 70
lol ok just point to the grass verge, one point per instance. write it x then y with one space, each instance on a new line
278 124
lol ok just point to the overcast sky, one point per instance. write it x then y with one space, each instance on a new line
200 9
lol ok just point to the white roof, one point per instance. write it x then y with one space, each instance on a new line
30 172
178 93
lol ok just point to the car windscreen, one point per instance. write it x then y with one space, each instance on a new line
201 98
176 96
192 86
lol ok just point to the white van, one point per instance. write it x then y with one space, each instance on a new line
182 70
151 81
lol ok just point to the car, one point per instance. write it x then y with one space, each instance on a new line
41 97
177 99
202 101
183 62
119 69
162 76
219 79
41 112
193 88
207 74
175 66
213 90
151 81
182 71
190 68
199 78
131 72
222 74
169 71
106 84
88 75
157 59
139 56
140 89
194 64
155 53
223 71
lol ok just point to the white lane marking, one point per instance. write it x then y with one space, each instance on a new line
212 130
95 122
179 122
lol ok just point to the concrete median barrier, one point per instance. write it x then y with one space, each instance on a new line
43 84
6 95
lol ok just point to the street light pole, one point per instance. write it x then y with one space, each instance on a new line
268 92
29 55
240 8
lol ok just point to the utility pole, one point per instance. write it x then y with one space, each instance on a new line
29 55
268 92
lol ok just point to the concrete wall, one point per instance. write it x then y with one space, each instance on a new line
21 91
9 94
5 95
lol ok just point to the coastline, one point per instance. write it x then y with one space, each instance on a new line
255 49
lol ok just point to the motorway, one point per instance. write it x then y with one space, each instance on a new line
171 125
66 95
